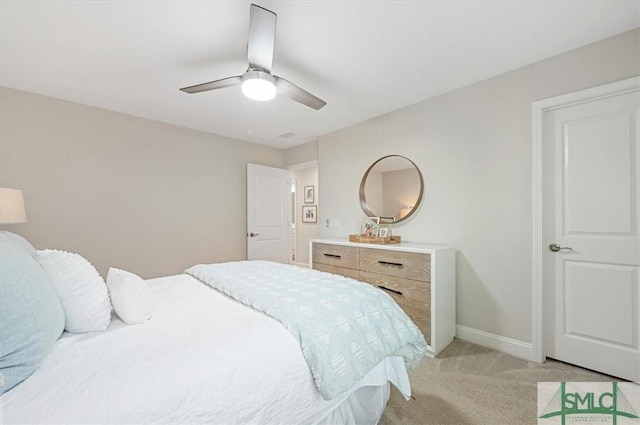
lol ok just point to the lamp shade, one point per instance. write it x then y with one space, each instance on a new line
12 206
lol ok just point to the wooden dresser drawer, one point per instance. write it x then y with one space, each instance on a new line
404 270
336 255
412 292
409 265
425 327
413 296
352 273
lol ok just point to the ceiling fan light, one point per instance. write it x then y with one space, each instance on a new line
258 89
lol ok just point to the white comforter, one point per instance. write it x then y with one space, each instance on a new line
344 327
202 358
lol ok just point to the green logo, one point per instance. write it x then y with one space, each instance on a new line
612 403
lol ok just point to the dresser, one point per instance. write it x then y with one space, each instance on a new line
419 277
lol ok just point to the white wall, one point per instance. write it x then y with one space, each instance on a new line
124 191
473 147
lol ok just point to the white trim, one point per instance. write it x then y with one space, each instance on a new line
523 350
537 286
539 110
304 265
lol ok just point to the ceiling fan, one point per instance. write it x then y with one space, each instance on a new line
258 82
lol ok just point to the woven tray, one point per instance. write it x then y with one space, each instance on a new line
371 239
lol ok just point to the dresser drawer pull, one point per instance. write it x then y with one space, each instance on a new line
389 289
388 263
333 255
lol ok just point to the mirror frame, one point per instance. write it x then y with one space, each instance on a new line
363 199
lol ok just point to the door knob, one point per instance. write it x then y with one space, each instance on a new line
554 247
254 234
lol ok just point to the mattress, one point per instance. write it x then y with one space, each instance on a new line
202 358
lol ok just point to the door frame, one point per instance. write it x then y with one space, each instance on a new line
292 169
539 109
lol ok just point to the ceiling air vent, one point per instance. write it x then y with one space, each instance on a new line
287 135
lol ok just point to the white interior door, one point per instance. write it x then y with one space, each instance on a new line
268 213
591 180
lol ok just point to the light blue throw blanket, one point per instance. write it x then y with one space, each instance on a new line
344 327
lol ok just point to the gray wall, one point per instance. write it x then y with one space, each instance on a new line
474 149
123 191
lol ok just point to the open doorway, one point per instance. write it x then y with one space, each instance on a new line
306 203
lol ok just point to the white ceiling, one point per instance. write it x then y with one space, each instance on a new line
364 58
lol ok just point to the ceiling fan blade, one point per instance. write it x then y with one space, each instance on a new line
294 92
262 36
213 85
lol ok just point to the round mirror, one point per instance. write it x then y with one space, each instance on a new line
391 187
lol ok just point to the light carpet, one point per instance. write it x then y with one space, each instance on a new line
468 384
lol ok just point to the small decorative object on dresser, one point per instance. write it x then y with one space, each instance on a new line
419 277
370 232
384 231
369 227
308 194
309 213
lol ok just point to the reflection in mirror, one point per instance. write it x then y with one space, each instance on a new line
391 187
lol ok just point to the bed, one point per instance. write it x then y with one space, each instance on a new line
203 357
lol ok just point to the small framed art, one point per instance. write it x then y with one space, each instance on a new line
309 213
369 227
384 231
308 194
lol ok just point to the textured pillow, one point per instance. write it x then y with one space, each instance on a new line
31 317
18 240
130 296
81 290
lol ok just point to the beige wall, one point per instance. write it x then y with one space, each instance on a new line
301 153
473 147
123 191
305 231
298 157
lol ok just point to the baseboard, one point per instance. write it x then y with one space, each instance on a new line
295 263
523 350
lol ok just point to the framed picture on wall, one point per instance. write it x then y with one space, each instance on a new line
310 213
308 194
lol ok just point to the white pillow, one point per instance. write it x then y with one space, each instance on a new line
82 292
130 296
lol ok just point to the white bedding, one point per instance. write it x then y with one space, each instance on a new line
202 358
